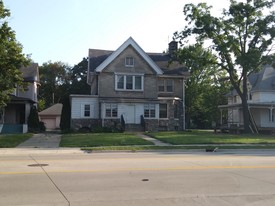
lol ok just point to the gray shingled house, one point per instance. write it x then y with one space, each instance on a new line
144 90
261 101
15 115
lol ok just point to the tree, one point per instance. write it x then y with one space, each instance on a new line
55 79
65 114
11 58
79 78
205 88
33 120
242 39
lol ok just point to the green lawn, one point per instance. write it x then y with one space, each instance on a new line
101 139
208 137
12 140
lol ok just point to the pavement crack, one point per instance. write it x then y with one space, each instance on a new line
55 185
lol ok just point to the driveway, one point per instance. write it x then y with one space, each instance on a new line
42 140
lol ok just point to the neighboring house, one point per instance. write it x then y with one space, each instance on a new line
261 102
51 116
15 115
144 90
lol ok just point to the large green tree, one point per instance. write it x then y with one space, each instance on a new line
55 79
79 78
11 58
205 88
242 38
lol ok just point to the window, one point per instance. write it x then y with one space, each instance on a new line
129 82
129 62
161 85
169 85
120 81
162 110
87 110
111 110
165 85
138 82
149 111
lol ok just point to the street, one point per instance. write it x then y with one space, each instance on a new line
223 178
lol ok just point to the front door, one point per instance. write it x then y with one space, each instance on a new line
130 114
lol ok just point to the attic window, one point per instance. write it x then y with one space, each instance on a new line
129 62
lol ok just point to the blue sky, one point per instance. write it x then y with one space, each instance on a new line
64 30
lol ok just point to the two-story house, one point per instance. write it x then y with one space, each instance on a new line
130 84
14 117
261 102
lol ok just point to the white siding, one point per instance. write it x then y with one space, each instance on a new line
123 109
266 120
267 97
77 104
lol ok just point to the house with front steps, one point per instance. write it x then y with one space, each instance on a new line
14 117
129 86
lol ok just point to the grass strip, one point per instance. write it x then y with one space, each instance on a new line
101 139
12 140
209 137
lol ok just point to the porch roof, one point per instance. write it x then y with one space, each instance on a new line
259 105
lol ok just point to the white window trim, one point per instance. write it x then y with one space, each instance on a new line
165 86
133 81
129 65
166 111
105 107
155 107
83 111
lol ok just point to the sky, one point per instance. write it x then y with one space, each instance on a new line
64 30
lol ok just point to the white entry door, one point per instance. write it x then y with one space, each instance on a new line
130 114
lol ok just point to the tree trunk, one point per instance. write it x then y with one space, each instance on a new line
246 117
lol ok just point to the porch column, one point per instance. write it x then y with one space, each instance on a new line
221 118
183 104
270 114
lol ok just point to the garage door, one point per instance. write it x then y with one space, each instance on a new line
49 123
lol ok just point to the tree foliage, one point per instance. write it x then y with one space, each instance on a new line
242 38
79 78
11 58
54 80
205 88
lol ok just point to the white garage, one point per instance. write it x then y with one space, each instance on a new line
51 116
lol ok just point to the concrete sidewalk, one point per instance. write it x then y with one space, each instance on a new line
155 141
42 140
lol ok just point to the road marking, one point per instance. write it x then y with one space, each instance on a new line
145 169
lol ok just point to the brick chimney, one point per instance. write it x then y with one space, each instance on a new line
173 47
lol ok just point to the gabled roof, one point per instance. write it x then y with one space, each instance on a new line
162 60
263 80
53 110
128 42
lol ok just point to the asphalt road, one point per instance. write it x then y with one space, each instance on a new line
132 179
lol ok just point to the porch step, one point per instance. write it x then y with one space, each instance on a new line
134 128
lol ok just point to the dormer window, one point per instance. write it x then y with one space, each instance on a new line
129 62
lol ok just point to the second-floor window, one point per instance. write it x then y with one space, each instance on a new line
129 62
129 82
166 85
